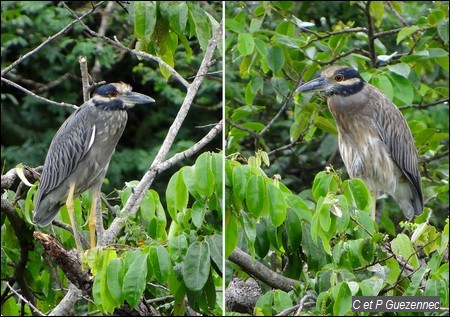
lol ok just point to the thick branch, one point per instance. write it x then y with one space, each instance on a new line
67 303
68 261
261 272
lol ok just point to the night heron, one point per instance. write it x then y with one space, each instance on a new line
79 154
375 142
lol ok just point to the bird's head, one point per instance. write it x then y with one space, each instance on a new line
118 96
336 80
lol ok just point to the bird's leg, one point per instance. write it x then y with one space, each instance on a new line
92 217
99 223
70 210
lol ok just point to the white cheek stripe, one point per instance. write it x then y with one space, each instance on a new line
91 141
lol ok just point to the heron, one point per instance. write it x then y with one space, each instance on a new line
375 142
80 152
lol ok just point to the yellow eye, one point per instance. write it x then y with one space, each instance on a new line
338 78
112 94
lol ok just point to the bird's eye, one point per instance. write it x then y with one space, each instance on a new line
112 94
338 78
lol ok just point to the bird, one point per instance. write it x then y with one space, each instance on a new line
375 142
80 152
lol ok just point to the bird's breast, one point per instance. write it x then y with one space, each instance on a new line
365 155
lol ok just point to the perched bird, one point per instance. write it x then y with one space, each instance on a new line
375 141
79 153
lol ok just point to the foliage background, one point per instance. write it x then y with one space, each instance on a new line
271 47
178 34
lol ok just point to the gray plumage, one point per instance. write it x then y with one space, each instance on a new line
375 141
80 151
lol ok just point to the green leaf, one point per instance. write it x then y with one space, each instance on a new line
443 29
254 197
171 198
404 90
198 213
377 11
196 266
215 247
281 300
181 193
178 247
323 183
358 194
326 124
144 20
204 176
293 228
402 246
245 43
135 280
231 234
108 304
179 17
401 69
255 24
323 210
28 204
114 275
416 281
249 229
240 177
202 27
189 181
275 58
159 224
277 204
394 271
406 32
264 304
148 207
342 301
366 250
161 264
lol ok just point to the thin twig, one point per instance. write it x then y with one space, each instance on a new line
45 100
399 17
49 40
119 45
431 104
25 301
436 157
84 78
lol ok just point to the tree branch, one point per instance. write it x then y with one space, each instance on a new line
49 40
135 199
119 45
261 272
45 100
67 303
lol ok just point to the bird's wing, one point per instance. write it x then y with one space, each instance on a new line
69 146
395 133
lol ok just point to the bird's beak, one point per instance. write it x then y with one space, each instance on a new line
318 84
134 98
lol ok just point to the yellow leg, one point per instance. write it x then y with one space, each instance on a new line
70 209
92 218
